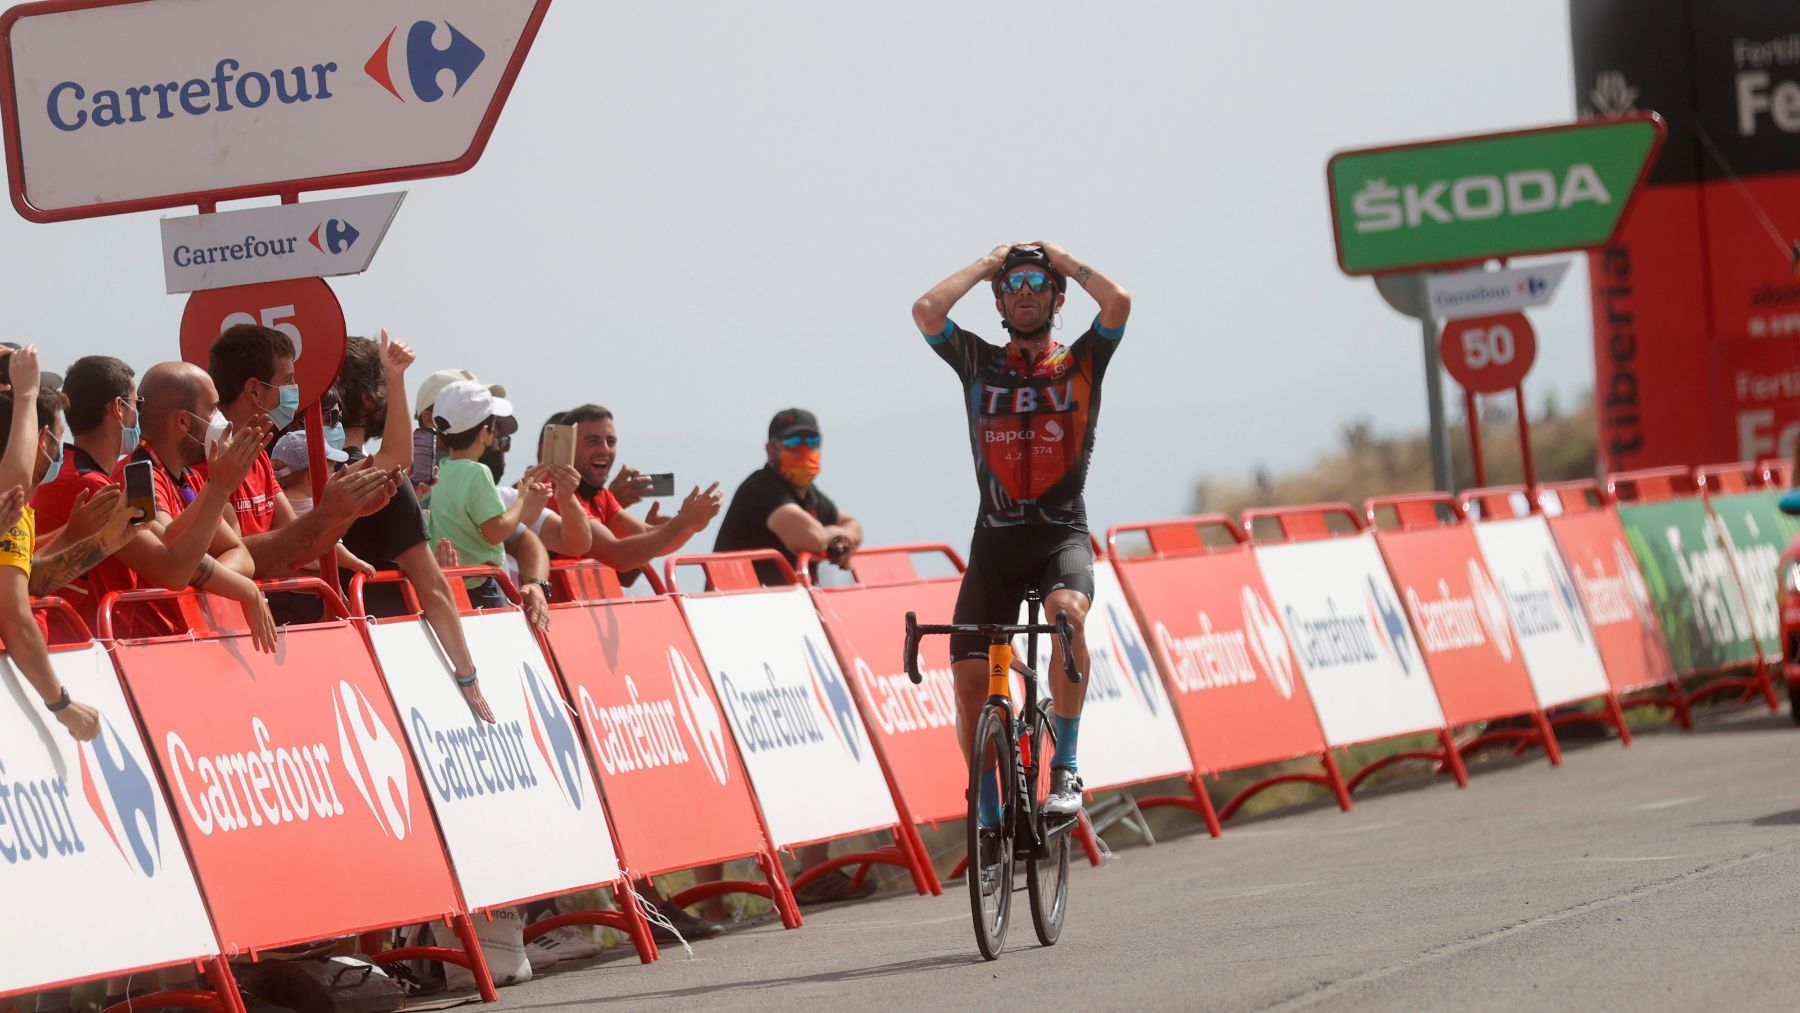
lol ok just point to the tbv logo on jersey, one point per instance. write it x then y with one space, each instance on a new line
1336 639
417 65
1216 658
37 824
643 734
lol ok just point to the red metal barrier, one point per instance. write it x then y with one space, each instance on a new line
1223 656
1650 485
295 762
1725 479
1777 472
1279 525
1459 618
732 575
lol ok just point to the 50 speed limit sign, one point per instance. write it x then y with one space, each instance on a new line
1488 355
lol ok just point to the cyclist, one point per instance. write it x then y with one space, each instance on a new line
1032 407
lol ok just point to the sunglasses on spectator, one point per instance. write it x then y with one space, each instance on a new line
1036 280
810 441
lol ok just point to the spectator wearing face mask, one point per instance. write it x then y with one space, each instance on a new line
466 509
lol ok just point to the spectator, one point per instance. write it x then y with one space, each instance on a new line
527 558
779 507
465 504
31 452
619 539
370 383
78 496
292 466
253 370
188 542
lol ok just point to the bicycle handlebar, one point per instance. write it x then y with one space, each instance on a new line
1062 629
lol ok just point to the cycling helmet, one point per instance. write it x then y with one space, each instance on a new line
1029 256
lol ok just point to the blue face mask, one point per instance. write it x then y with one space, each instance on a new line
334 436
130 436
56 460
284 412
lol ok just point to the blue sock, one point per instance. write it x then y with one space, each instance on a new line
1067 731
987 809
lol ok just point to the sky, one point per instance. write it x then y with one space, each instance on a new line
700 213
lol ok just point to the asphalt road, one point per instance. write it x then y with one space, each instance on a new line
1664 876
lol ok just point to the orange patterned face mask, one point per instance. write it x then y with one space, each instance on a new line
800 465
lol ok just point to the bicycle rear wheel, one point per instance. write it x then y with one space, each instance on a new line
1047 878
990 873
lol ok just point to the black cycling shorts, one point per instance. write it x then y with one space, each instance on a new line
1003 562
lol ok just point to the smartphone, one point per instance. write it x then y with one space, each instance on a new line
662 485
424 464
140 490
559 445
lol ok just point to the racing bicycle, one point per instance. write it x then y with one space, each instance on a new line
1012 751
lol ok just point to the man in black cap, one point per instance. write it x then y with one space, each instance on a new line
778 507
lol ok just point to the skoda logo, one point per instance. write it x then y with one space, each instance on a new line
1268 642
699 715
373 760
1490 607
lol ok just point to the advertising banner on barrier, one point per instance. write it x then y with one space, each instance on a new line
1351 639
1228 660
1129 732
1554 634
809 756
1461 622
915 725
1615 598
1756 532
666 757
85 834
293 785
500 790
1705 623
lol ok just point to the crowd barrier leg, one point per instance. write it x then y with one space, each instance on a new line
1541 733
1446 756
1084 832
1197 801
775 887
469 957
224 997
1749 685
899 853
1613 716
923 859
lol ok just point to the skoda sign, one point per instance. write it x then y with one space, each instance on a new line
247 98
1463 199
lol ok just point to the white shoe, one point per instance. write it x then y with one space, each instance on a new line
568 943
1064 798
542 957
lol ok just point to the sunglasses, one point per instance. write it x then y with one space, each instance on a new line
797 441
1036 280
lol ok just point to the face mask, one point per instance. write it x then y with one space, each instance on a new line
130 436
334 436
800 465
216 428
56 460
495 461
302 505
283 413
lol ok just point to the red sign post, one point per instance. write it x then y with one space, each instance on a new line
1490 355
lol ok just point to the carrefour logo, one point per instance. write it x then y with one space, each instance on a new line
333 236
1268 642
124 799
374 760
1565 595
1129 650
421 61
1391 622
645 732
553 732
1491 608
835 699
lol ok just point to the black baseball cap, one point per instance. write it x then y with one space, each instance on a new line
46 379
792 420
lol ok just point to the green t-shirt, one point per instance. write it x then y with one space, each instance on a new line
463 499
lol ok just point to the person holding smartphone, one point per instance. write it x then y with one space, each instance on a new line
101 409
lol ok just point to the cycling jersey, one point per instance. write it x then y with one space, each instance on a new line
1031 425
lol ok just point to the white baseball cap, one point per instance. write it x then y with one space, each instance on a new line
435 384
465 404
289 455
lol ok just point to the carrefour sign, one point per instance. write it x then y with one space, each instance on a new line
125 105
1495 195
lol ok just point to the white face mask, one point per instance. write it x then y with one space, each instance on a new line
216 428
302 504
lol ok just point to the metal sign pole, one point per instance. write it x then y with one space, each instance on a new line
1434 393
1473 409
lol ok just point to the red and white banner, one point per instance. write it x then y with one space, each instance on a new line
915 725
1552 627
1351 638
1461 621
803 740
1128 730
1617 602
292 783
665 753
505 790
1235 678
85 833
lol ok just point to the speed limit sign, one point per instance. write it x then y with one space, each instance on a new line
1488 355
304 309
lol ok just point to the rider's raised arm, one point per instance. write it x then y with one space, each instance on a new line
1115 302
932 311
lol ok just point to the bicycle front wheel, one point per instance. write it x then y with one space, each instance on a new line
1047 876
990 872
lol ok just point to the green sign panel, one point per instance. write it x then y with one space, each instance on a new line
1494 195
1692 582
1757 532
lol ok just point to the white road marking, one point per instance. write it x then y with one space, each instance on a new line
1667 803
